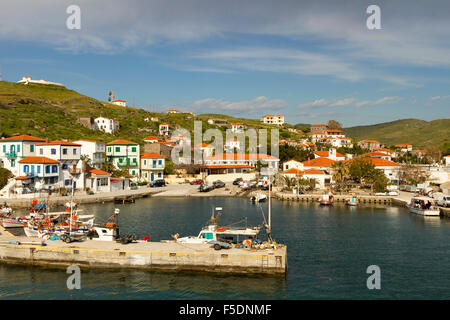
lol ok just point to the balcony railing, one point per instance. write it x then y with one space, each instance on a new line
12 154
127 164
74 171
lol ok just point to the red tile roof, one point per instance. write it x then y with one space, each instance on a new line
295 171
121 142
152 138
59 143
319 162
203 145
241 156
38 160
151 155
385 150
327 153
99 172
22 178
403 145
313 171
228 166
22 137
375 154
319 125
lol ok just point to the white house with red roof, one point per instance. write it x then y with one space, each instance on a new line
40 173
205 149
94 150
404 147
232 145
152 139
292 164
15 148
237 128
173 111
273 119
447 161
165 129
124 154
68 154
119 102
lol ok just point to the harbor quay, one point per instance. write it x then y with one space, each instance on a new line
142 255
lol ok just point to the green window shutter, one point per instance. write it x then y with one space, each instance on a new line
18 148
32 148
117 149
109 149
133 149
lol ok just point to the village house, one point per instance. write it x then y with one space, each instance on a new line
236 162
37 173
94 150
390 152
320 163
107 125
163 148
237 128
152 167
404 148
98 180
124 154
206 150
420 154
68 156
447 161
378 154
321 128
165 129
16 148
119 102
371 145
152 139
173 111
274 120
232 145
292 164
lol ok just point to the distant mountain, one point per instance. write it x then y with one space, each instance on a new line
417 132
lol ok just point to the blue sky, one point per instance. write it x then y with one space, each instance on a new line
310 62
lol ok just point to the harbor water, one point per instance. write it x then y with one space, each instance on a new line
329 251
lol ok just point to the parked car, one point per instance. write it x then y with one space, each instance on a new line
205 188
158 183
237 180
443 201
198 181
218 184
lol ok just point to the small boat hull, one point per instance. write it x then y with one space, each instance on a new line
424 212
13 223
326 203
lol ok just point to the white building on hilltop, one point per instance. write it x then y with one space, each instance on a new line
119 102
270 119
27 80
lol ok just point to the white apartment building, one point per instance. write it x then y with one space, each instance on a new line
94 150
237 128
273 119
16 148
124 154
165 129
107 125
68 155
41 173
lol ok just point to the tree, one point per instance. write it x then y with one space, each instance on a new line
341 174
5 175
287 152
433 153
335 125
412 175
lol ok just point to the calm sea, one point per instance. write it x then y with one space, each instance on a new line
329 250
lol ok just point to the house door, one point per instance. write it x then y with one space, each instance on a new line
152 176
74 184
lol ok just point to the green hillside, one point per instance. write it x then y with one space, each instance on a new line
419 133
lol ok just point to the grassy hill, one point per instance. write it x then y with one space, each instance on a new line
51 112
419 133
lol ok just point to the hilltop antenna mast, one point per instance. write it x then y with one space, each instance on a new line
111 96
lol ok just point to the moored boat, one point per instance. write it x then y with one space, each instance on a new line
424 206
351 201
327 200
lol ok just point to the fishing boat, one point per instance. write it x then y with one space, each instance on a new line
351 201
259 197
5 210
424 206
327 200
212 232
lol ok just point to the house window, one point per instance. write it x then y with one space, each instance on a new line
120 160
47 168
13 163
26 168
53 151
32 148
145 162
65 166
132 172
134 160
18 148
65 151
146 174
109 149
154 163
4 148
133 149
74 151
160 162
159 174
38 169
41 151
68 182
54 169
117 149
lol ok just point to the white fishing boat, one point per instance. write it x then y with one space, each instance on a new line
212 232
424 206
259 197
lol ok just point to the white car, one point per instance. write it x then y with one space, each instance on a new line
443 201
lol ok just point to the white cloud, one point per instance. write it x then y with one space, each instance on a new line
349 102
343 102
257 104
315 103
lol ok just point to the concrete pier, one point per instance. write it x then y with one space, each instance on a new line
148 255
337 198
